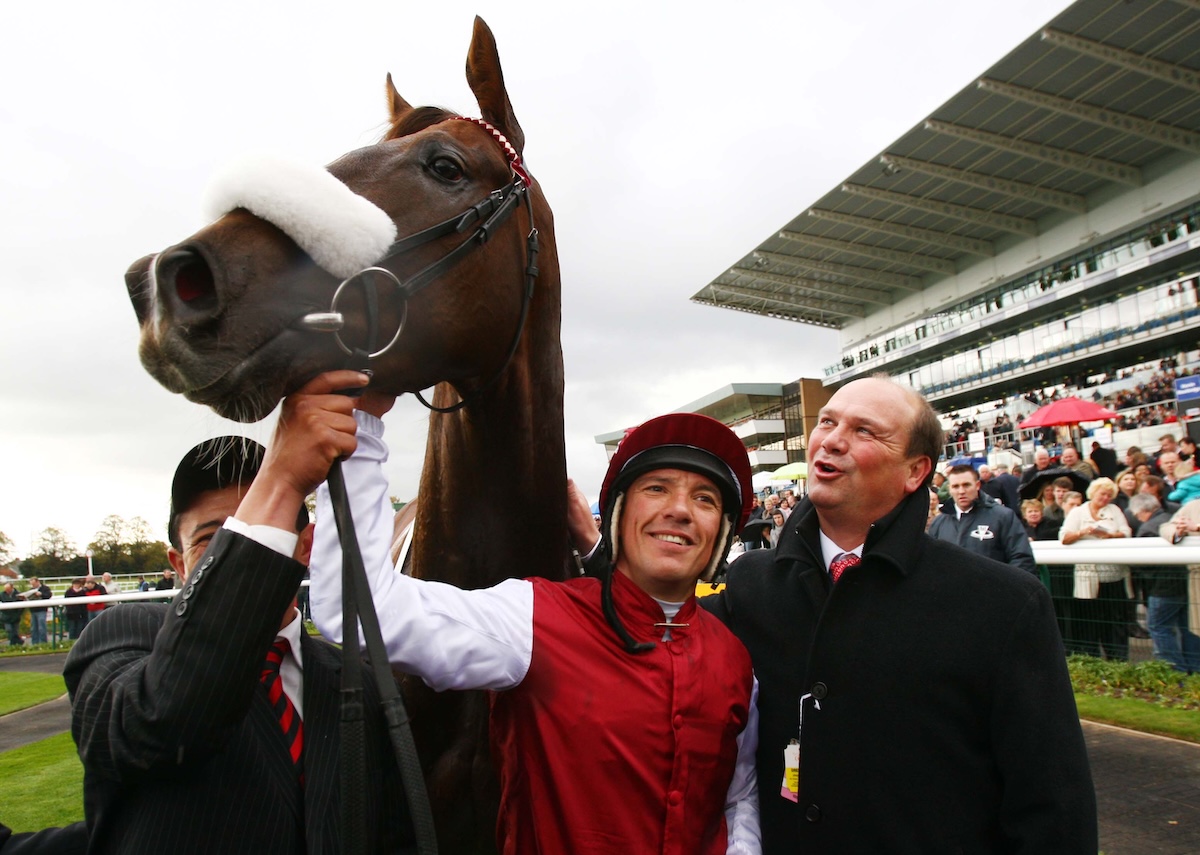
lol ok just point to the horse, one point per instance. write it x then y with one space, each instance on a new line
222 322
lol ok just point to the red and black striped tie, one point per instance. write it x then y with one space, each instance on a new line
289 720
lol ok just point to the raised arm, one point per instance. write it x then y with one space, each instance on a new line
452 639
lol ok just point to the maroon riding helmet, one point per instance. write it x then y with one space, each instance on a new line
687 441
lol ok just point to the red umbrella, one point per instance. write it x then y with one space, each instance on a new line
1067 411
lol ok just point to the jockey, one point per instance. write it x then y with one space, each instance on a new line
638 740
683 441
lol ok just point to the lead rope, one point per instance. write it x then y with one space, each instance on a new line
357 606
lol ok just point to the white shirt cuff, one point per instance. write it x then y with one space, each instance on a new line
278 539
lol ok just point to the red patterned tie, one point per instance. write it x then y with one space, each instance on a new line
839 565
293 727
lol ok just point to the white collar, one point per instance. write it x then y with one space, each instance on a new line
830 550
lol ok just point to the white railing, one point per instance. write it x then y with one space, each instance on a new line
133 596
1134 551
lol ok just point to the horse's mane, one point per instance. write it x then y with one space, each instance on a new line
417 119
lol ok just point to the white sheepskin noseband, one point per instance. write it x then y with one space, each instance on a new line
342 231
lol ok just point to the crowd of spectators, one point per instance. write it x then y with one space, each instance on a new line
1143 404
1101 606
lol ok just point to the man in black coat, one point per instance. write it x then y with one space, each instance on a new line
69 840
916 694
1105 461
182 745
980 524
1001 486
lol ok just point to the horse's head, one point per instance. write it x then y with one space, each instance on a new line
221 313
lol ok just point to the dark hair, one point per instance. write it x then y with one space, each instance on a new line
216 464
1157 486
963 469
1064 482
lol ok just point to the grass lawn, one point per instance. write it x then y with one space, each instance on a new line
1140 715
49 778
20 690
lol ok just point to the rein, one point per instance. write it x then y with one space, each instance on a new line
357 604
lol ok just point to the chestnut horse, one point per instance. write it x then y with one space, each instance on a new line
219 319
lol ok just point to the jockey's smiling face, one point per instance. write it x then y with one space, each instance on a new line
669 526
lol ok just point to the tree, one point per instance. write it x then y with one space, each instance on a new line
54 555
127 548
8 551
107 546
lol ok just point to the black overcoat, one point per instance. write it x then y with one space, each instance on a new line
941 717
181 750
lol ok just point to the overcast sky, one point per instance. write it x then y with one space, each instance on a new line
671 138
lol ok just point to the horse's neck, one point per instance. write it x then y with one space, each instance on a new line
493 488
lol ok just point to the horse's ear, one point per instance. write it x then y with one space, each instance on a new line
397 106
487 82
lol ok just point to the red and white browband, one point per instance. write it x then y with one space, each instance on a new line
514 157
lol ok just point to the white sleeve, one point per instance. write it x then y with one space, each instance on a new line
741 803
450 638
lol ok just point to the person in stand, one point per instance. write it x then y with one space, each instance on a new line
1037 527
624 672
1127 485
11 617
110 585
167 582
76 614
1071 499
1167 444
1001 486
38 590
92 588
211 723
914 697
778 520
1103 592
1104 460
1070 459
755 534
1157 488
980 524
1051 510
1166 588
935 508
1187 483
1041 462
1058 579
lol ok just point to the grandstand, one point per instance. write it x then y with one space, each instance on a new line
1040 228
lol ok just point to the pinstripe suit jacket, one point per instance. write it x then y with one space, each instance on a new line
181 750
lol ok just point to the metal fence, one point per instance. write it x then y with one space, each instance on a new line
1111 624
55 608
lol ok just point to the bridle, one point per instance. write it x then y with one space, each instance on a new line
490 213
357 605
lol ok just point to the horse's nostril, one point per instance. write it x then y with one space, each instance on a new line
193 281
189 275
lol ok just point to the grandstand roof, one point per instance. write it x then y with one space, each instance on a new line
1089 103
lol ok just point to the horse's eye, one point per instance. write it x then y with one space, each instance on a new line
447 169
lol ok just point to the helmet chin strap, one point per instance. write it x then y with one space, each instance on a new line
720 548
